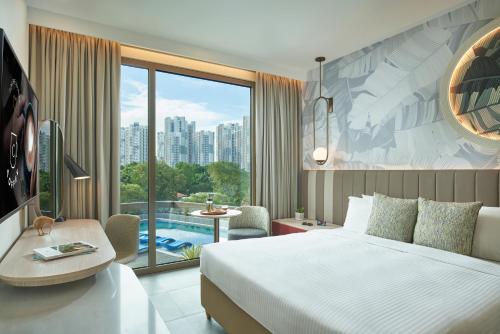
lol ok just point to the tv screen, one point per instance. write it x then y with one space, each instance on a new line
18 131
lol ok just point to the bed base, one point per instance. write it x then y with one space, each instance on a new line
229 315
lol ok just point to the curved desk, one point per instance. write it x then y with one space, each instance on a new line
18 267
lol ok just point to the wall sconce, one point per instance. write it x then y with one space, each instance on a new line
325 104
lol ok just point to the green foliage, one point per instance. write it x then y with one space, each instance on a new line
169 181
130 192
193 252
229 179
202 198
44 180
300 210
197 178
135 173
44 198
226 179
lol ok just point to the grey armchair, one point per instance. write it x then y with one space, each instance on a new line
252 223
123 233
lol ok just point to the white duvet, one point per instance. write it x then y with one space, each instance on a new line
338 281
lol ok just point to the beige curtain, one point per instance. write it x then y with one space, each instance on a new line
278 112
77 81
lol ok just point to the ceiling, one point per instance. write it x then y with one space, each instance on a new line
286 32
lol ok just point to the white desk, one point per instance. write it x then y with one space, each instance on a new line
112 301
19 269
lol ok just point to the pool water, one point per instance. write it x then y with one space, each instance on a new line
194 233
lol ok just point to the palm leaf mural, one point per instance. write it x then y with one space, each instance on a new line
386 99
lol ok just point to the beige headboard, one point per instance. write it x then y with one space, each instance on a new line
324 194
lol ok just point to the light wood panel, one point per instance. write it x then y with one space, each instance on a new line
18 267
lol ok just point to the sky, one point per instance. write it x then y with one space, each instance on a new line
206 102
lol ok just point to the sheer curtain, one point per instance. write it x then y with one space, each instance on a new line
77 81
277 124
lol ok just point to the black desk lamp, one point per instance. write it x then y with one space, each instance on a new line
76 171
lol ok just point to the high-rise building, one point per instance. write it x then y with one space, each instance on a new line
133 143
191 130
44 149
229 142
204 147
179 140
160 146
245 144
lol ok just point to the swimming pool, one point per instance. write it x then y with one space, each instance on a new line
196 234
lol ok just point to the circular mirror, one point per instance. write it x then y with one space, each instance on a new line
50 164
470 90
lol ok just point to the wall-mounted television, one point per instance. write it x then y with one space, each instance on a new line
18 131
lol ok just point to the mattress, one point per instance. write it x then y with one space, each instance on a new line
338 281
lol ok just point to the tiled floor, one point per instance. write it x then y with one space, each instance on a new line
176 296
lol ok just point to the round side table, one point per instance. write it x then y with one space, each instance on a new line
230 213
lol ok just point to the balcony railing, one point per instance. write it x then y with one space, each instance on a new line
172 210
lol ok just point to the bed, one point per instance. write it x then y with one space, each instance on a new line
338 281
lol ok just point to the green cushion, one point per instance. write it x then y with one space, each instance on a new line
393 218
446 226
245 233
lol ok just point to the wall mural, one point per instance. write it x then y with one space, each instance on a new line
386 101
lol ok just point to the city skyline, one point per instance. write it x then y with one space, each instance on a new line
208 103
181 142
197 120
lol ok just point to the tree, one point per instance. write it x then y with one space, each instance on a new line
132 193
197 178
44 180
169 181
229 179
135 173
224 178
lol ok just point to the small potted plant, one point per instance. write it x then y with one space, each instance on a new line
299 213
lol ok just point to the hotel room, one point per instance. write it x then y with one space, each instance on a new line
250 167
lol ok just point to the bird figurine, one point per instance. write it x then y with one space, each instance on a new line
41 222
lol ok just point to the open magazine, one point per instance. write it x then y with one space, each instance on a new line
64 250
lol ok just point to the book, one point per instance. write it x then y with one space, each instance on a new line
64 250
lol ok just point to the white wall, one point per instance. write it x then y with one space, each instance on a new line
57 21
13 20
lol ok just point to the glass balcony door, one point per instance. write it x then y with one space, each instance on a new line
182 137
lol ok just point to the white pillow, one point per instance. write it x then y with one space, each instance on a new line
358 214
486 241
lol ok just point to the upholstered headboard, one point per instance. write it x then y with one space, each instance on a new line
324 194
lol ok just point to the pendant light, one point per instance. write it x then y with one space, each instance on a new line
320 153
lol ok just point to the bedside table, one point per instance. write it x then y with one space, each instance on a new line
291 225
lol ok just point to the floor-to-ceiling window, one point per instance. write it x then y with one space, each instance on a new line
183 136
134 162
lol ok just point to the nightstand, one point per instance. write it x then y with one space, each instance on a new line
291 225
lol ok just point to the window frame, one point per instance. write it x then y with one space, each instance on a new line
152 68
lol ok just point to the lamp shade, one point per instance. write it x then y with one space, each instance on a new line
320 155
76 171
